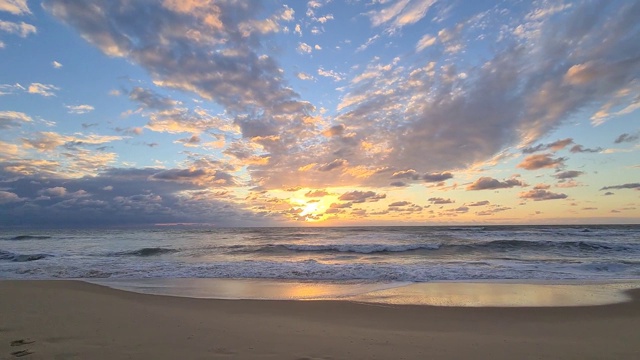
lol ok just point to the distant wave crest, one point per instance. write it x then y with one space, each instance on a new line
332 248
523 244
495 245
7 255
149 251
30 237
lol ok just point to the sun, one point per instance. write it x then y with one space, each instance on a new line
311 210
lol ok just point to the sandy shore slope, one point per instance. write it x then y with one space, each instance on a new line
76 320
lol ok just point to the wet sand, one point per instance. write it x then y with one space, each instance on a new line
77 320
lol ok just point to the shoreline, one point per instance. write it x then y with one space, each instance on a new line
77 320
480 293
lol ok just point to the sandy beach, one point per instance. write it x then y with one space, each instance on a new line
77 320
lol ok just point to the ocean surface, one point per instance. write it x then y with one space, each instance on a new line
348 254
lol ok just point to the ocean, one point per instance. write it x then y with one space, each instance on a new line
340 254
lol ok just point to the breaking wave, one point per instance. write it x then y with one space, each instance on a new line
149 251
7 255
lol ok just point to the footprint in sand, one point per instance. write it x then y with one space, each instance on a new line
22 353
21 342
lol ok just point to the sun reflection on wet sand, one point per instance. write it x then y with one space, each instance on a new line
502 294
435 294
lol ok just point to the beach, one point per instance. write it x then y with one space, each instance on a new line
77 320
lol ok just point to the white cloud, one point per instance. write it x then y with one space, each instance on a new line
16 7
304 76
47 141
324 19
12 118
317 47
330 74
22 29
400 13
79 109
369 41
56 64
298 30
426 41
42 89
7 89
304 48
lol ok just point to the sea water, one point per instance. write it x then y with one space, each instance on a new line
340 254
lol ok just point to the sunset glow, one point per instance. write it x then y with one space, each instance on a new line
267 113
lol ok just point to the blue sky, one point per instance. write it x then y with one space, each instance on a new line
236 113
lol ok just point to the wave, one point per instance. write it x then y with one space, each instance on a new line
547 244
458 247
313 270
30 237
149 251
332 248
7 255
467 228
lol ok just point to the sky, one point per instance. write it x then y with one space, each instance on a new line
319 113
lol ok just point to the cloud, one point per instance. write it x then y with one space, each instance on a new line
7 89
399 203
193 141
541 161
330 74
623 186
8 197
488 183
79 109
42 89
425 41
406 174
440 201
341 206
581 149
9 119
47 141
304 76
361 196
120 197
210 49
479 203
626 138
304 48
541 194
149 99
57 191
449 110
316 193
56 65
21 29
555 146
15 7
492 211
200 177
400 13
332 165
451 38
398 184
568 174
437 177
